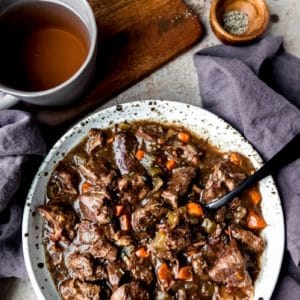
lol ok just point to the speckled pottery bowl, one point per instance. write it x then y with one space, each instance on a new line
196 119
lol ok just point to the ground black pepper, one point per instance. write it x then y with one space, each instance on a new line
235 22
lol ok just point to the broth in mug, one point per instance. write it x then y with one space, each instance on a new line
42 45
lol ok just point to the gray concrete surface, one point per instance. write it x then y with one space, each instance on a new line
178 81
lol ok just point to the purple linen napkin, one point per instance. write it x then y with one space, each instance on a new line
20 141
256 88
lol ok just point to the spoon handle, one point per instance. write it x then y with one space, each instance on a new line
286 155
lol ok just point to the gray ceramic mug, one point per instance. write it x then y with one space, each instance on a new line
73 87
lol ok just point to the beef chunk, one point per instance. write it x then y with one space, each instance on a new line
235 204
248 239
230 268
80 266
61 219
178 184
115 272
220 215
94 207
89 233
178 238
150 133
223 179
118 237
187 153
143 273
133 188
68 180
125 146
73 289
130 291
140 268
97 173
95 140
199 266
146 217
190 154
103 249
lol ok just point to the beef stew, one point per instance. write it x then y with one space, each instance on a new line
125 218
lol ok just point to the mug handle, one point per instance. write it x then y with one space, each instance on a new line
7 101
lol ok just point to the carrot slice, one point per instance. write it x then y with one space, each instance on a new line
185 273
255 221
110 140
235 158
140 154
183 137
194 209
85 187
142 252
164 273
124 223
170 164
119 209
255 196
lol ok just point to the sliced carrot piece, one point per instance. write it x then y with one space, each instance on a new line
164 273
185 273
142 252
184 137
140 154
194 209
119 209
235 158
110 140
124 223
255 221
85 187
170 164
255 196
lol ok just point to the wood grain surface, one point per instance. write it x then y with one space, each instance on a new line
135 38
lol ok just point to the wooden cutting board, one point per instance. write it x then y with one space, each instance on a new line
136 37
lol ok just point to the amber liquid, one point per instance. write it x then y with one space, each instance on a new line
42 44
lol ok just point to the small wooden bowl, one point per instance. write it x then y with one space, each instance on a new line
258 16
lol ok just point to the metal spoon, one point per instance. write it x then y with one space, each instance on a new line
286 155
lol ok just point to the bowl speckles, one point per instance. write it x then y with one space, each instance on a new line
198 120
